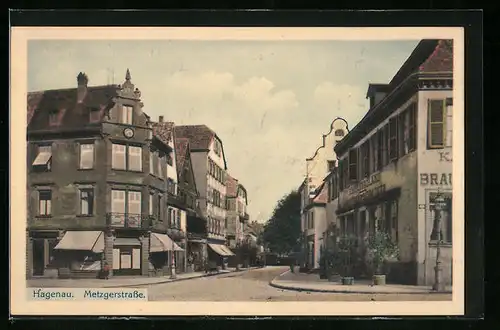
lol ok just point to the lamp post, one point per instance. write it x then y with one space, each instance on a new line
439 206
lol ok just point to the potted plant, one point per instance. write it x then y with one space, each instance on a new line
381 249
347 245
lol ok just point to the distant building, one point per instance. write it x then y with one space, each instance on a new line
209 165
237 216
398 157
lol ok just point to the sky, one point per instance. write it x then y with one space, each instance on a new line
270 102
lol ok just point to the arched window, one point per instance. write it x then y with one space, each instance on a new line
339 132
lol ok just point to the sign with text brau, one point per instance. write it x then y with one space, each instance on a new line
435 179
82 294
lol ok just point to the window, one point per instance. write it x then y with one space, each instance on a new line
44 202
151 198
331 165
366 159
43 158
119 160
178 219
86 155
339 132
134 208
216 147
446 218
436 129
386 145
159 167
126 207
341 175
53 118
135 158
353 164
404 134
449 122
94 115
87 201
171 215
393 139
412 128
151 162
380 149
159 208
171 186
127 115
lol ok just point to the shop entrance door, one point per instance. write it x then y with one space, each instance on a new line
38 257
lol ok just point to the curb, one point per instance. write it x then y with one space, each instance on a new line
176 280
293 288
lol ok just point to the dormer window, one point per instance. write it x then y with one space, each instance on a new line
126 115
53 118
94 115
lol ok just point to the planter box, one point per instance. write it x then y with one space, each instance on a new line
378 279
347 280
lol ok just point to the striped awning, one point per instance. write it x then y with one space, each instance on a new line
221 250
163 243
82 240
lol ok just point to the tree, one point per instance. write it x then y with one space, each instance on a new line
282 232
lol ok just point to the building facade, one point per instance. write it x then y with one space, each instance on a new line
395 161
318 167
89 184
210 168
237 216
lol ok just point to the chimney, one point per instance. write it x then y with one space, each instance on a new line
160 119
82 80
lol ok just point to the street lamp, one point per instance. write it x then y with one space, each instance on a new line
439 206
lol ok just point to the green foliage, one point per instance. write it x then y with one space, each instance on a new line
282 231
381 249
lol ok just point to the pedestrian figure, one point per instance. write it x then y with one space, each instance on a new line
292 265
105 270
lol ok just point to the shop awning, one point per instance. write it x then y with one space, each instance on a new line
42 158
221 250
122 241
82 240
227 250
163 243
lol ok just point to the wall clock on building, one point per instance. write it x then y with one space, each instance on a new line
128 132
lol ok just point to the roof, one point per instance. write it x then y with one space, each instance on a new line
322 196
429 56
231 186
376 88
200 136
163 131
71 113
181 152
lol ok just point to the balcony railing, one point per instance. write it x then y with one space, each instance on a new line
128 220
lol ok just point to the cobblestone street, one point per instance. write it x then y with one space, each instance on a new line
254 286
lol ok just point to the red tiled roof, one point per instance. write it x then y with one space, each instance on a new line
181 152
163 131
322 197
441 59
72 114
231 186
200 136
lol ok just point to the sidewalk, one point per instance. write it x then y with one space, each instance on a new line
121 281
312 283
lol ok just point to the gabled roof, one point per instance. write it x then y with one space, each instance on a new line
72 114
200 137
163 131
231 186
181 150
322 195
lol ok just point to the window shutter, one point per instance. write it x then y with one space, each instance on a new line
436 119
118 160
135 158
86 156
118 207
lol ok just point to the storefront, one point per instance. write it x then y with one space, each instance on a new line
218 252
41 254
162 252
127 256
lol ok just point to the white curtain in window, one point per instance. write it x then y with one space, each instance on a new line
118 160
135 158
86 155
85 196
151 196
45 203
134 202
127 115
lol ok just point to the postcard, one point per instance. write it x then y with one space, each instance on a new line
237 171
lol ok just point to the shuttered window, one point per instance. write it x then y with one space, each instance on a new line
134 202
353 164
118 207
86 155
135 158
436 129
119 160
87 201
393 139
